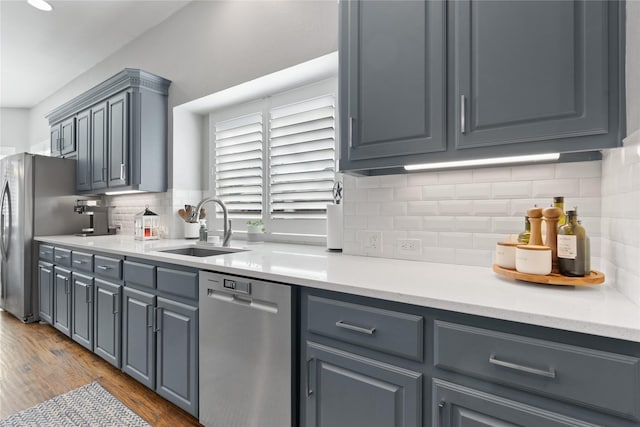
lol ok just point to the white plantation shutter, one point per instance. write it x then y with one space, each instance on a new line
238 164
302 158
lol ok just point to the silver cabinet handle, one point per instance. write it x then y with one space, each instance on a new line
343 325
441 405
60 276
122 171
115 303
351 126
547 374
310 376
104 267
45 253
149 316
88 293
157 323
61 256
463 111
78 261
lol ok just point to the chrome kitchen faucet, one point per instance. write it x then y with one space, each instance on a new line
227 222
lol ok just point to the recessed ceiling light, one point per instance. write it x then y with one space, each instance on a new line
41 5
484 162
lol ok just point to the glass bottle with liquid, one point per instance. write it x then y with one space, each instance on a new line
572 247
558 202
526 234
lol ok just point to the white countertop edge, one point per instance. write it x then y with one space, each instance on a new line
626 326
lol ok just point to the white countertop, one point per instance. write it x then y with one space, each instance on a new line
599 310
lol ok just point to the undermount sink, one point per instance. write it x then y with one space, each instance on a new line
200 252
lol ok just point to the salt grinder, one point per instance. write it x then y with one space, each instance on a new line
535 218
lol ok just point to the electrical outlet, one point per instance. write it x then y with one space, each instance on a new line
412 247
372 242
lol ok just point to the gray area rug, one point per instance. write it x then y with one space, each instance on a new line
89 405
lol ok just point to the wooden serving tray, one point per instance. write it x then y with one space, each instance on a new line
595 278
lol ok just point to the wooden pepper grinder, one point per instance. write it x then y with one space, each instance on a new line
551 217
535 218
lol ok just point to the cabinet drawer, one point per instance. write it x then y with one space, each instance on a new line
177 282
46 253
82 261
140 274
62 257
387 331
596 378
108 267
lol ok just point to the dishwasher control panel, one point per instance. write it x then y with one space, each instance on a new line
237 286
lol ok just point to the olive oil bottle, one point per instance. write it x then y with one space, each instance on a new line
572 247
558 202
526 234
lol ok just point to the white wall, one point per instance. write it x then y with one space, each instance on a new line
14 130
211 45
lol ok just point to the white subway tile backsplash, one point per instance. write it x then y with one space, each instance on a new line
486 241
439 254
473 191
455 207
507 225
423 178
556 187
455 177
354 222
398 180
438 223
380 194
355 195
393 208
408 193
368 182
422 207
533 172
380 222
473 224
455 240
481 258
587 206
429 238
491 207
492 175
590 187
519 207
438 192
368 208
511 190
408 222
579 170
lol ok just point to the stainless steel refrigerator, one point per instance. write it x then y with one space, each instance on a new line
37 199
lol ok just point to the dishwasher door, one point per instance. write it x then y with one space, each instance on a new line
245 352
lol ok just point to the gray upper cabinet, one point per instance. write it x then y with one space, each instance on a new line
128 120
62 137
83 137
416 87
99 152
118 134
392 80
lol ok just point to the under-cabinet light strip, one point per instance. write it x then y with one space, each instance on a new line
484 162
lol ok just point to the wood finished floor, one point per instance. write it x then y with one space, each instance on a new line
38 363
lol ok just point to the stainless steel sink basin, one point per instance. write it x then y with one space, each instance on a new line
200 251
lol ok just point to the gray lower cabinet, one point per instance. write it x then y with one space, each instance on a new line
138 336
107 321
347 390
458 406
46 289
176 353
62 300
82 309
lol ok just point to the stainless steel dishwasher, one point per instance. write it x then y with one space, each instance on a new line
245 352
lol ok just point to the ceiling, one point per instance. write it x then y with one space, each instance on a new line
40 52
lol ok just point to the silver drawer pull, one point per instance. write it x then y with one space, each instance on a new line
104 267
77 261
61 256
343 325
548 374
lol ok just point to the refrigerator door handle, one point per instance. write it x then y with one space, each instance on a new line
6 195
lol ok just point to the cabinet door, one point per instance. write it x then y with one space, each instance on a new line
138 338
177 353
99 143
118 133
392 76
54 139
62 300
346 390
107 321
83 141
68 136
515 84
82 306
458 406
45 281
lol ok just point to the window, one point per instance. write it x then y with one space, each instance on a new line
274 159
